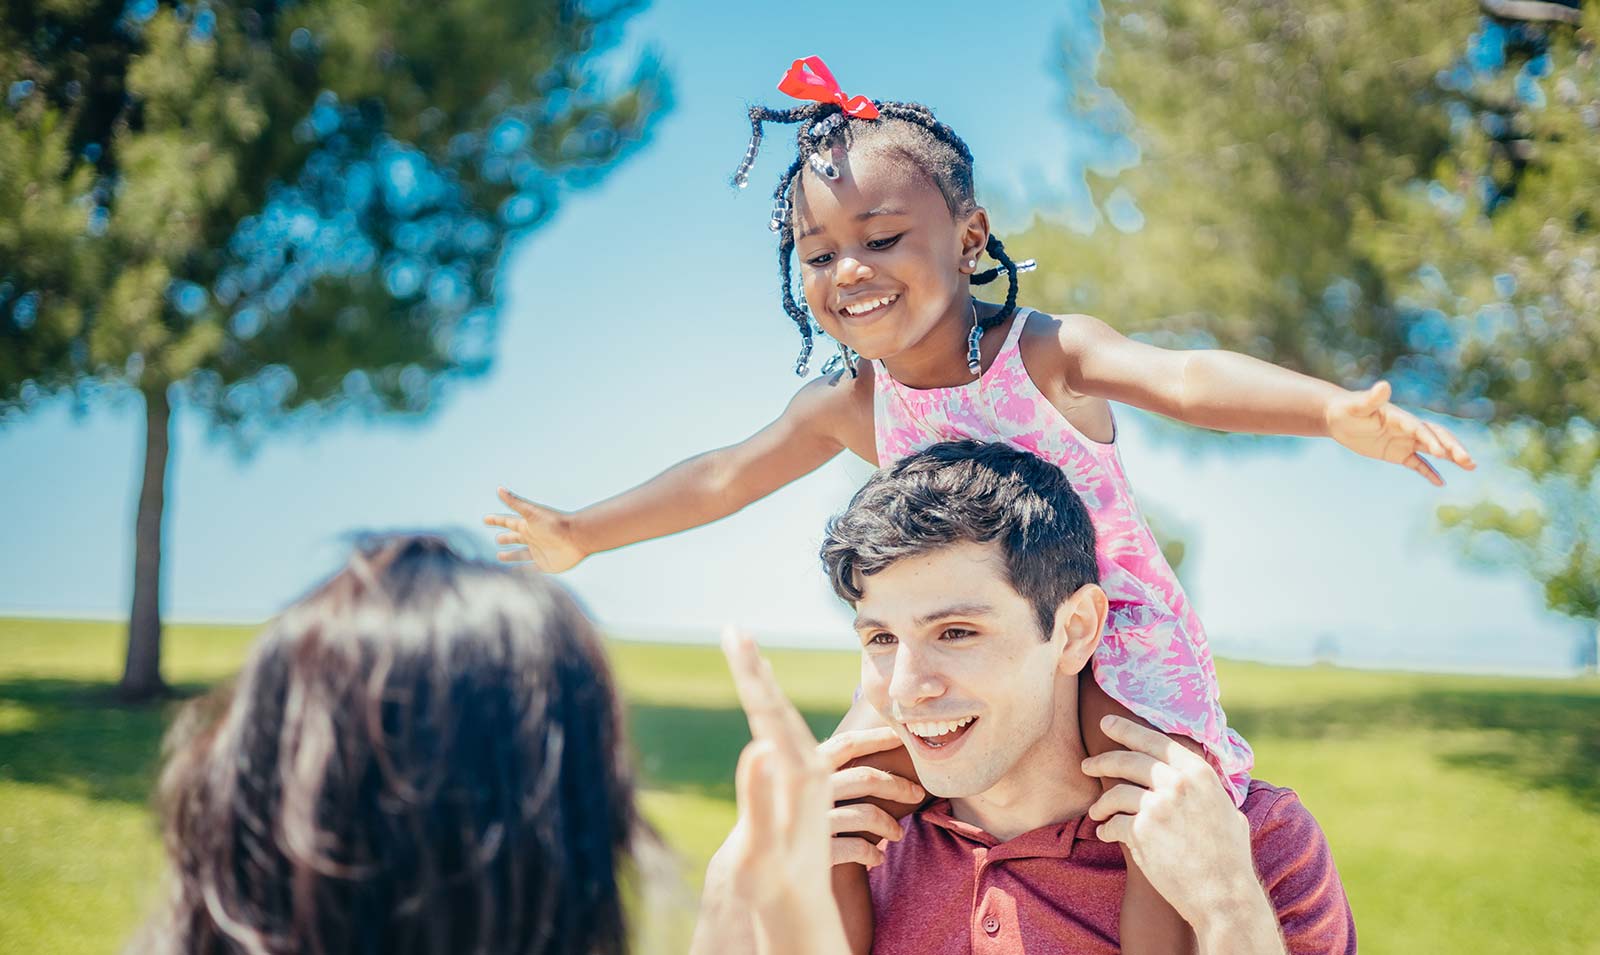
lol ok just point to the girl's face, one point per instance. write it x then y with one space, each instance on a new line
881 257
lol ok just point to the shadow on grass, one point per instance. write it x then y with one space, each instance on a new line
73 735
693 749
1548 740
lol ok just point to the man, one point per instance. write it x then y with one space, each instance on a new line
971 568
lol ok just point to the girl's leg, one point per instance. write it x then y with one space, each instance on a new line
1149 926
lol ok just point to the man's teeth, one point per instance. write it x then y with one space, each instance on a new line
867 306
941 728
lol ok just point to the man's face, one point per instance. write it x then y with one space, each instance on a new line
953 658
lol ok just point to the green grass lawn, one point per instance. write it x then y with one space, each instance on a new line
1464 812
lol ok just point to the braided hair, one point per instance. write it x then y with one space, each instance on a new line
909 129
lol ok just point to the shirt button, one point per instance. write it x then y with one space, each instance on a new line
991 925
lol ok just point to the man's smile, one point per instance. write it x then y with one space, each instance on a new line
937 736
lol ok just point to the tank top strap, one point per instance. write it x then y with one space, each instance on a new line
1011 349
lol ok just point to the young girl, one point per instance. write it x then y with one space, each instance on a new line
878 207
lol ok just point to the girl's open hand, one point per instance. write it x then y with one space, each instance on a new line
544 534
1366 423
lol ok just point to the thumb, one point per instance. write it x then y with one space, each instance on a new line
516 502
1375 397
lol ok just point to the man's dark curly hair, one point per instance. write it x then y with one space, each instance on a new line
967 491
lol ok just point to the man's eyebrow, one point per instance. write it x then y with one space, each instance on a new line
943 613
860 217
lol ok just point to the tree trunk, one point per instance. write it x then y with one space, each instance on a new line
141 677
1594 662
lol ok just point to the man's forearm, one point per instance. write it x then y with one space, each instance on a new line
1241 923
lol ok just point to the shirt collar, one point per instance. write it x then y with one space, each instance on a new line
1053 841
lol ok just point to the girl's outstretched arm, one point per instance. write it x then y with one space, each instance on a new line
1227 391
827 415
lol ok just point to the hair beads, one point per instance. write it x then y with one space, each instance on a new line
974 337
780 214
823 167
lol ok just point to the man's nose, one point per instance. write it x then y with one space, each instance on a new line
914 681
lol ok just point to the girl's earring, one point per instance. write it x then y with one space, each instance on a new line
974 356
972 264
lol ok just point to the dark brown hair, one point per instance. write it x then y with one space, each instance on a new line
425 755
968 491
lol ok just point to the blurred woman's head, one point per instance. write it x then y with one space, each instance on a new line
424 755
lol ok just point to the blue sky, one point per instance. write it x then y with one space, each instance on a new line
642 325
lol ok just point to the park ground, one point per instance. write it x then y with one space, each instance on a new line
1464 812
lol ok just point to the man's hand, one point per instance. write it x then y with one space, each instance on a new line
1185 835
544 535
1366 423
858 826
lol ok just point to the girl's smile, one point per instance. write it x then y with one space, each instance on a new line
864 310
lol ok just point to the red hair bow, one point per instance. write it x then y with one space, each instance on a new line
819 85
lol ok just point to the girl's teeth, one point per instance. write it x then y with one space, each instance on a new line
869 306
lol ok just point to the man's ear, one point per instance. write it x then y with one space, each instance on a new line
1080 620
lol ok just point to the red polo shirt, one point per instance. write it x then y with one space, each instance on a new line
949 888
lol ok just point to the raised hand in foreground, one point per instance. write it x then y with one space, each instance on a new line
780 853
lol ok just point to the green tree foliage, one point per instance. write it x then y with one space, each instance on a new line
1360 190
285 208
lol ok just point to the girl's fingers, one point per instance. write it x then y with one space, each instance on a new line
1455 450
860 781
1116 829
1416 463
1430 440
841 748
507 539
1121 798
514 555
854 849
499 520
864 817
516 502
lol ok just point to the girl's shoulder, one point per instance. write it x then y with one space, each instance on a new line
839 402
1052 345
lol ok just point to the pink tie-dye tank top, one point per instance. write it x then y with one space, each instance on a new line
1153 657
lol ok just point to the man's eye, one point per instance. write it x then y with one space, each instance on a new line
881 244
881 640
957 633
820 260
